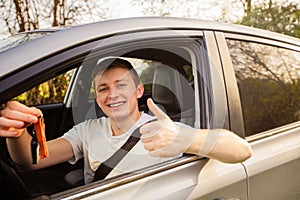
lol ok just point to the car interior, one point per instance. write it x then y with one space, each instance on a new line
170 85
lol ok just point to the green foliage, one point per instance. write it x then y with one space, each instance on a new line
274 17
51 91
267 104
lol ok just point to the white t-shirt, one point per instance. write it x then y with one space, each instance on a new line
94 141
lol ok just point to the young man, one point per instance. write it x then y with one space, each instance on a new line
118 89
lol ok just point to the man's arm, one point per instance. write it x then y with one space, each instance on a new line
13 119
220 144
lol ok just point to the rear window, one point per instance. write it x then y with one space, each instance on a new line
268 78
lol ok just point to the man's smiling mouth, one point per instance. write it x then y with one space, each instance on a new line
116 104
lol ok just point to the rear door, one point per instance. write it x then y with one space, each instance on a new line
264 75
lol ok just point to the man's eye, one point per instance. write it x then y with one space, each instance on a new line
121 85
102 89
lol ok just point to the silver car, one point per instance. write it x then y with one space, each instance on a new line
202 73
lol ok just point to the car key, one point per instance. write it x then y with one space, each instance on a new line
34 145
34 148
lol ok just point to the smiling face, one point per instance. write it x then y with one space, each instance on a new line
117 94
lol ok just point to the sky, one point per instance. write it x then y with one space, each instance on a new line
126 9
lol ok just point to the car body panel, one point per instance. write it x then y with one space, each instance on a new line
218 93
276 163
155 185
201 179
218 180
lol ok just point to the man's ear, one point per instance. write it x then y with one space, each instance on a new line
140 90
96 99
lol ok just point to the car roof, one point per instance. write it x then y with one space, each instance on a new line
64 38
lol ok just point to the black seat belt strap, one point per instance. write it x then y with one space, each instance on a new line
107 166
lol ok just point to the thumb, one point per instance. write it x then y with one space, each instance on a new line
156 110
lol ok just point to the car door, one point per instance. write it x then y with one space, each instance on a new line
264 75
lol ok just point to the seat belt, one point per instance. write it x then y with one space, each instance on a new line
108 165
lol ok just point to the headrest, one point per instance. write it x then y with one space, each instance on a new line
169 88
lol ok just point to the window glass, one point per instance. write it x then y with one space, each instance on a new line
269 84
49 92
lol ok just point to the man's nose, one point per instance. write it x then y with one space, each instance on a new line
113 92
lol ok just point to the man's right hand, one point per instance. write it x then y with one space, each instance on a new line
14 118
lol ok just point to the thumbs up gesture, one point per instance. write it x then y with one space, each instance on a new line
163 137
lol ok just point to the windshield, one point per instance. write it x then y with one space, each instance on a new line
15 40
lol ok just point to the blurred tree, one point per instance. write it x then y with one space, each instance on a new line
281 18
51 91
26 15
247 5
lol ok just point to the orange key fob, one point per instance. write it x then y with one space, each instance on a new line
41 137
